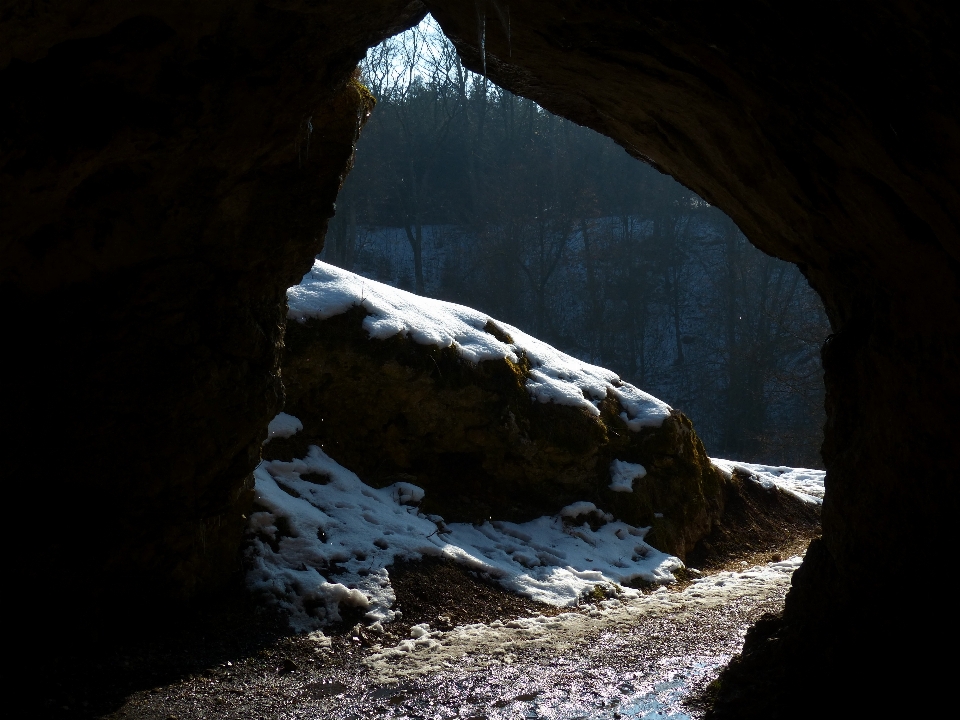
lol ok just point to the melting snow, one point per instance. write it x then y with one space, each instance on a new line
622 475
554 376
325 539
804 483
283 426
432 651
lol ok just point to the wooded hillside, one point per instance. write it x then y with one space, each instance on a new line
465 192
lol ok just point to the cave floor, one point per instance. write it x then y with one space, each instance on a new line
465 648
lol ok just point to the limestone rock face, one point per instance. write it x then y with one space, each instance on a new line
475 439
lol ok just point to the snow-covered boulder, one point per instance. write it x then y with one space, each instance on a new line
489 421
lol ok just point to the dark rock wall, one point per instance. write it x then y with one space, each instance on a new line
829 132
167 169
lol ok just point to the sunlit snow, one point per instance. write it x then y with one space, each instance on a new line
554 376
324 538
803 483
622 475
283 426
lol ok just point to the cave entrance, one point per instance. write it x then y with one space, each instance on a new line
465 192
159 228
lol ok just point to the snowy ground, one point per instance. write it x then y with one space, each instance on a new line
325 538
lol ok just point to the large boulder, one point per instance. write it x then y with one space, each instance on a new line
489 421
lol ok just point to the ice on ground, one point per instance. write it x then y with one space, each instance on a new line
554 376
804 483
622 475
496 643
283 426
324 539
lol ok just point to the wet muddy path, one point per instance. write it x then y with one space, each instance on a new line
642 659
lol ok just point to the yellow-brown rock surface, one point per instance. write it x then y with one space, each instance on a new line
475 439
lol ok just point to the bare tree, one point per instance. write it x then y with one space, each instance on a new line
467 192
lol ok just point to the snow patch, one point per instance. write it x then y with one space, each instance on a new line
577 509
283 426
318 546
803 483
622 475
554 376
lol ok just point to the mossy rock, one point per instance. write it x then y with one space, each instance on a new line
477 442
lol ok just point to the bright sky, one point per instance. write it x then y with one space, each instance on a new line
397 61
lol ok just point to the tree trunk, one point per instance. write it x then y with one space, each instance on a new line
673 278
732 441
415 237
595 325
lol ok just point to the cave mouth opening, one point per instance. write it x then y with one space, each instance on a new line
152 238
465 192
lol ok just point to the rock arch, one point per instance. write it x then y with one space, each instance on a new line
830 135
166 170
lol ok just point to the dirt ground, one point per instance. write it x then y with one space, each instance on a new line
230 649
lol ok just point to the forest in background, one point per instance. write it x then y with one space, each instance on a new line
467 193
